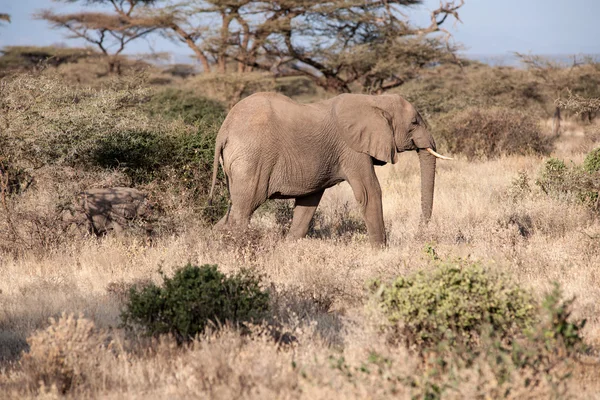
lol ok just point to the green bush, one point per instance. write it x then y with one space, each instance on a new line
492 132
185 104
460 315
552 177
455 302
575 183
192 299
591 163
140 154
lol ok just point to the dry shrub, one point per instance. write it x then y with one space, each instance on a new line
38 219
227 364
450 89
60 139
579 105
64 356
490 133
15 58
345 224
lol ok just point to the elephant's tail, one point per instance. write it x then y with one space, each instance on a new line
218 151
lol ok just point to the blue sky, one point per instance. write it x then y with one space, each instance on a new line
490 27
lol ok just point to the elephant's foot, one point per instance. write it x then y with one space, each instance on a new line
294 236
378 243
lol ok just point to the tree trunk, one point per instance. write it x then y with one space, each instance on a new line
192 45
556 122
427 162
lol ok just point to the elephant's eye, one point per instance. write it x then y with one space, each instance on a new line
415 121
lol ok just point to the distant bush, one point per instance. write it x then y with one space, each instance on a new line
552 179
489 133
579 105
575 183
31 57
232 87
591 163
455 302
181 70
450 89
193 298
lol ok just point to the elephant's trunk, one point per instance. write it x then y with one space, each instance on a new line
427 162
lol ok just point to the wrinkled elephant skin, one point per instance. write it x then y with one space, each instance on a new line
272 147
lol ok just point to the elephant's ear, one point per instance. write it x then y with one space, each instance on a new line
365 127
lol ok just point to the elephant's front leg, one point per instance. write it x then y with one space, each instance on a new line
304 210
367 192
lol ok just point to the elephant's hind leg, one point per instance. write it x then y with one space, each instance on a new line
224 221
247 193
304 210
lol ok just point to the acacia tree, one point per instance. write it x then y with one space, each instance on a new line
4 17
215 30
365 43
338 44
109 31
581 77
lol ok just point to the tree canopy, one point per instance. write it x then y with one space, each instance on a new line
342 45
109 31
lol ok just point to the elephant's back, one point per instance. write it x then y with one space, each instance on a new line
266 110
266 119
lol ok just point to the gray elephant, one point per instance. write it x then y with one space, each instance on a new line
110 209
271 147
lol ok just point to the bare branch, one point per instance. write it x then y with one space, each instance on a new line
105 30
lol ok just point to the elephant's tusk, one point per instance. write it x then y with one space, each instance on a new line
439 155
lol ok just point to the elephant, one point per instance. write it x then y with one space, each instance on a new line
103 210
271 147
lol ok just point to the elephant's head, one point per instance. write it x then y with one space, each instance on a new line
383 126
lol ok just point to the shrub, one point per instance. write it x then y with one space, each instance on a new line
30 57
192 299
450 89
488 133
119 128
462 316
65 354
573 183
139 154
580 105
591 163
552 176
185 104
232 87
455 302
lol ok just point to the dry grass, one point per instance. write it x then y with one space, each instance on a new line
320 285
490 211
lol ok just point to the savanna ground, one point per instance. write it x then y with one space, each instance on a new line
487 209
